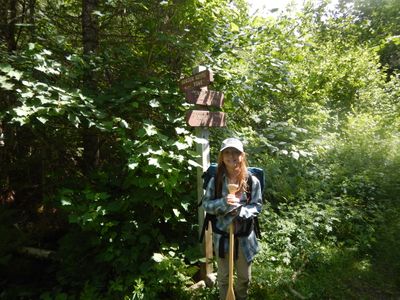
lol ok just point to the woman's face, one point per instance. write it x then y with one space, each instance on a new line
232 158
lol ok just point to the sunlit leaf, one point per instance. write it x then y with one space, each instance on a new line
181 146
21 111
154 103
234 27
124 124
295 154
193 163
150 129
180 130
28 94
158 257
154 162
133 166
4 84
65 202
15 74
42 120
98 13
74 120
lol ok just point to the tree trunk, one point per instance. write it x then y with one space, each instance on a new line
11 38
31 18
90 38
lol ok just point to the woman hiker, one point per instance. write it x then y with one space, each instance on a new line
239 207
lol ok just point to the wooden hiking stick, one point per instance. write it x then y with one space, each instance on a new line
230 295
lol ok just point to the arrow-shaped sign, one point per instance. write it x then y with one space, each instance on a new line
205 97
205 118
198 80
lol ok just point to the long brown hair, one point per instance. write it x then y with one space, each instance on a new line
221 169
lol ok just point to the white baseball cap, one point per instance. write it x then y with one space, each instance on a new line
232 142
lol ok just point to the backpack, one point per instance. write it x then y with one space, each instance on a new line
250 224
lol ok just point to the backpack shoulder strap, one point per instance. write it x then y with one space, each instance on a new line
249 187
257 229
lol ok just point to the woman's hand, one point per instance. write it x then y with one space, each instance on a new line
231 199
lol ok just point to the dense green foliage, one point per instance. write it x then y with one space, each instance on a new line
98 166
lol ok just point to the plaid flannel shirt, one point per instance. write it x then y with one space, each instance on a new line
225 215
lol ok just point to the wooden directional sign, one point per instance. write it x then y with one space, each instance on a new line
205 97
198 80
205 118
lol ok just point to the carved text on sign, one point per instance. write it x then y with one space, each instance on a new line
198 80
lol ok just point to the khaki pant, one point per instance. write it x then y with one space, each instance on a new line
243 274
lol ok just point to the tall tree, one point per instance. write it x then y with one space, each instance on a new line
90 41
378 23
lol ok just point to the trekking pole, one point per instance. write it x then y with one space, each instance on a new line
230 295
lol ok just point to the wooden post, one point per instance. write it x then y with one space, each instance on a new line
1 135
196 90
203 151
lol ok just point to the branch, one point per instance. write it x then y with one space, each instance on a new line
37 253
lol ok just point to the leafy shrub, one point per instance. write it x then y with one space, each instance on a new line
167 278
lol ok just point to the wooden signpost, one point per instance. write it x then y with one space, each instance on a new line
204 118
196 92
205 97
197 80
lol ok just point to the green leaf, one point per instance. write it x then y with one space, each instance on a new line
176 212
124 124
42 120
193 163
74 119
150 129
16 74
46 52
185 206
65 202
154 103
180 130
133 166
27 83
234 27
28 94
21 111
4 84
158 257
154 162
295 155
5 68
98 13
181 146
41 69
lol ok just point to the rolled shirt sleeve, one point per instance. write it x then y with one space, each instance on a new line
212 205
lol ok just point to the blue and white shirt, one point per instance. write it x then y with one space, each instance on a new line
221 209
